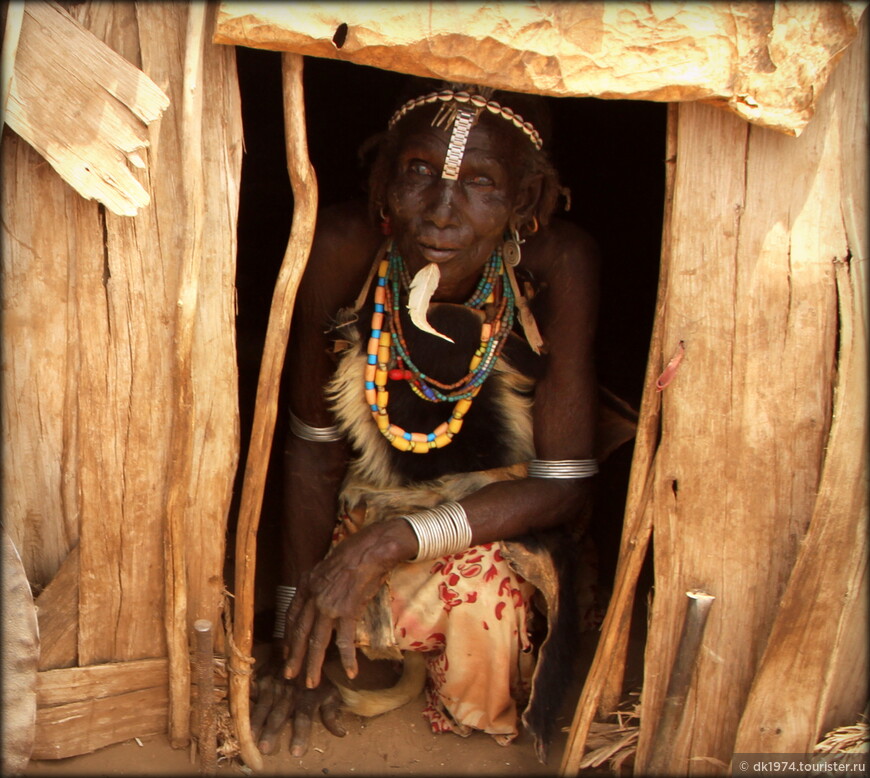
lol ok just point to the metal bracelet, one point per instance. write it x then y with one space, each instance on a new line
562 468
440 531
283 598
316 434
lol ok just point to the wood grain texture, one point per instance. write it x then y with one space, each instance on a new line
304 183
767 62
757 233
57 610
57 102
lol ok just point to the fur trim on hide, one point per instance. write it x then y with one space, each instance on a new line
374 463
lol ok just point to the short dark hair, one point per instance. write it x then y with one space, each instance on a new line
532 163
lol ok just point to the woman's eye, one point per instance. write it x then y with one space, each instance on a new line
420 168
480 181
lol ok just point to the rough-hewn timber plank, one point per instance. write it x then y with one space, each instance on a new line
57 102
127 306
78 684
745 423
813 676
84 726
767 62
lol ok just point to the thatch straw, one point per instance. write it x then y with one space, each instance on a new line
852 739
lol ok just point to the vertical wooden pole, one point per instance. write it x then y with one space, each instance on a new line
695 620
181 450
304 186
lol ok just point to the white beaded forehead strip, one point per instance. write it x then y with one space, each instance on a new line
462 113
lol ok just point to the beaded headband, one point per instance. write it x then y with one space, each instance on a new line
461 109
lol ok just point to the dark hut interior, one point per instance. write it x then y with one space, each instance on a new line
610 154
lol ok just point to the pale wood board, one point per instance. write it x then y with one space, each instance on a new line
57 609
91 723
76 684
39 357
88 305
820 632
19 640
752 293
57 102
768 62
81 709
123 560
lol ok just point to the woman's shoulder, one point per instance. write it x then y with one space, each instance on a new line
345 244
561 248
346 225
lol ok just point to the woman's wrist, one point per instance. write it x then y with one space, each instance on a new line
398 541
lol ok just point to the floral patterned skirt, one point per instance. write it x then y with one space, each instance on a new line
469 613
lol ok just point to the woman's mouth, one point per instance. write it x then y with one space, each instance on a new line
435 253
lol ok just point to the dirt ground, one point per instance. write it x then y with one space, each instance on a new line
394 744
397 743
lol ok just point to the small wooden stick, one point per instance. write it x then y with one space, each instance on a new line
207 741
304 185
678 685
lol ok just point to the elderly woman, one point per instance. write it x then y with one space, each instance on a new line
442 401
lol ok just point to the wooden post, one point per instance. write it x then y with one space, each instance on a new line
304 185
695 620
181 449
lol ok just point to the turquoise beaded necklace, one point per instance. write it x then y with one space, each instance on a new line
389 357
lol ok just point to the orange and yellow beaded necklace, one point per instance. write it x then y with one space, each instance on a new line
388 357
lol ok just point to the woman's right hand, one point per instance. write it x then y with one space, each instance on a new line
332 597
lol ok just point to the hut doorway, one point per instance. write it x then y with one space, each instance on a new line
610 155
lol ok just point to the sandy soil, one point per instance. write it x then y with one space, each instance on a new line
397 743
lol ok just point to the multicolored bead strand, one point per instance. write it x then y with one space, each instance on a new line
387 347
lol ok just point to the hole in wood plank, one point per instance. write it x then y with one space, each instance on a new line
340 35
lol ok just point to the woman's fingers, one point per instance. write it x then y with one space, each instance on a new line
318 642
298 630
344 641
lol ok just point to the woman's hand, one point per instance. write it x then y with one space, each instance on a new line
334 594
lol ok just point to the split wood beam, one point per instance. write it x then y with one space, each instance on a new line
56 101
182 442
304 184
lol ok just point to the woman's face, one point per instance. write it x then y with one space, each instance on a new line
455 224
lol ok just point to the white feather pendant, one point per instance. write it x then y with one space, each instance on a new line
423 286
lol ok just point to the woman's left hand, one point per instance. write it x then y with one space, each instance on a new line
332 597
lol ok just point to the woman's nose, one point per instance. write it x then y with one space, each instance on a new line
443 211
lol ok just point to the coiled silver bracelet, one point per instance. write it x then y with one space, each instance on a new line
562 468
440 531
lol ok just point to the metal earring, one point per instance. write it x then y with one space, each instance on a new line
510 250
386 226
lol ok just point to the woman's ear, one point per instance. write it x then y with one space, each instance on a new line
527 203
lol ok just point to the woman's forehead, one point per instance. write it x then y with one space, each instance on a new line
483 142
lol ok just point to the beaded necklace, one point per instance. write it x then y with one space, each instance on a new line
388 356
